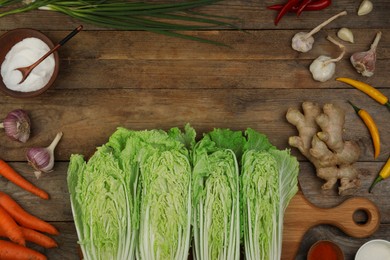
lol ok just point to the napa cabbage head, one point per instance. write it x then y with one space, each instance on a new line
106 195
216 195
103 205
165 215
269 179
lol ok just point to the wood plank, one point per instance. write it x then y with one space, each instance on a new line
195 74
123 63
248 46
250 14
88 118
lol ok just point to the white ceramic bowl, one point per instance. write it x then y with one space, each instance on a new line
377 249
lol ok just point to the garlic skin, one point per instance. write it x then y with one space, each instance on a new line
17 125
322 70
364 62
42 159
345 34
365 7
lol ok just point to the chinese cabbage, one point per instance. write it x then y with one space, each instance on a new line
269 179
216 195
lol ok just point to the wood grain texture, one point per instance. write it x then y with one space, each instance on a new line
78 113
140 80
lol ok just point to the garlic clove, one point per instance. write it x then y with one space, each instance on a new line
345 34
17 125
365 7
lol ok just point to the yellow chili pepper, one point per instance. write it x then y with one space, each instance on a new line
369 90
370 123
383 174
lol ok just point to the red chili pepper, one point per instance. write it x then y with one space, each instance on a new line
302 6
313 6
285 9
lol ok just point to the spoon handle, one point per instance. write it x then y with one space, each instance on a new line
70 35
62 42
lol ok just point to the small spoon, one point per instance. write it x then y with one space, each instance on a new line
27 70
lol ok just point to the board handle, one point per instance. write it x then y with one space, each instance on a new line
301 215
342 217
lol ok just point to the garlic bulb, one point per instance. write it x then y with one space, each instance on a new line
345 34
323 68
303 42
365 7
17 125
364 62
42 159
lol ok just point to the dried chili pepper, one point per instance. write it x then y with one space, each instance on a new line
302 6
285 9
369 90
313 6
383 174
372 128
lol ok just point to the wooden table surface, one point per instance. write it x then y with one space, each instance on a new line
141 80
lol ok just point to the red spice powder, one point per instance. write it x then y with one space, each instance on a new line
324 250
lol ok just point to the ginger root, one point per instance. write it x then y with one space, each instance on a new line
320 140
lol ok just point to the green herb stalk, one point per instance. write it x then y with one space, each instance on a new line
162 18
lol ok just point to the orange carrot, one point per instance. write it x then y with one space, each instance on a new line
10 228
7 172
38 238
24 218
35 237
12 251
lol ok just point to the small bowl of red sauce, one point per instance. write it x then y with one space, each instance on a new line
325 250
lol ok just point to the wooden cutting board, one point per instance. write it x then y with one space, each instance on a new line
301 215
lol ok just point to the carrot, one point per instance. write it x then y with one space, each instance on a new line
12 251
10 228
35 237
7 172
38 238
24 218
